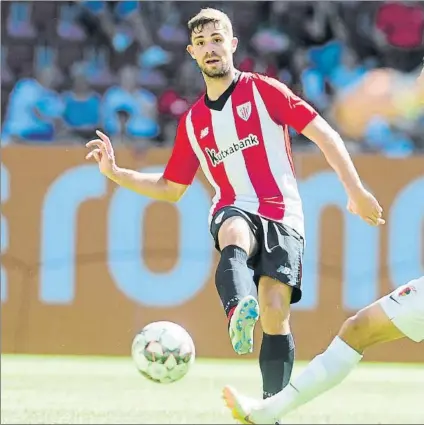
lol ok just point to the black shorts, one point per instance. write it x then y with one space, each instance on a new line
279 250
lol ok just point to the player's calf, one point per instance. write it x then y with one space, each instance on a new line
277 353
232 277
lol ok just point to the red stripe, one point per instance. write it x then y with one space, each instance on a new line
271 200
202 118
288 148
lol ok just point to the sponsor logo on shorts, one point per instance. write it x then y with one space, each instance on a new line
217 157
284 270
406 291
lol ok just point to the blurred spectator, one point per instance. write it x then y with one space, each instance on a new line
6 74
380 136
326 57
34 109
348 72
315 27
400 30
312 80
171 31
67 26
19 24
174 101
98 71
131 107
81 105
401 23
121 21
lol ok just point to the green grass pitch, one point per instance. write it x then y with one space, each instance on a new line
103 390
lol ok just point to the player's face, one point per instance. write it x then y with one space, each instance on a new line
213 49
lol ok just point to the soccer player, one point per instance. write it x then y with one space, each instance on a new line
237 133
399 314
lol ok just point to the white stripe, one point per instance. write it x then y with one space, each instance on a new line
225 132
274 141
203 162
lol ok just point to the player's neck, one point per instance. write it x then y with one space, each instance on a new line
215 87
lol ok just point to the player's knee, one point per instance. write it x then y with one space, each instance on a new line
274 317
274 304
275 322
236 231
356 331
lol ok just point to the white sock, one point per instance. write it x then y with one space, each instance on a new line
325 371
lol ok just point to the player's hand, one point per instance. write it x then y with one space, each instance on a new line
364 204
102 152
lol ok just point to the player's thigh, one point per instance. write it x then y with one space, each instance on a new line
231 226
280 265
405 307
236 231
368 327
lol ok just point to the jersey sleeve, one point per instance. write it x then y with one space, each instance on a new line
183 163
283 105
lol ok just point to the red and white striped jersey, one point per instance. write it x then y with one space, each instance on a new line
242 145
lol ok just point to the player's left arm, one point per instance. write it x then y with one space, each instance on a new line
334 150
286 108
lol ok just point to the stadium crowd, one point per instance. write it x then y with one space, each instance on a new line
68 68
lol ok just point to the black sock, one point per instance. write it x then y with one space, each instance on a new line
232 278
276 361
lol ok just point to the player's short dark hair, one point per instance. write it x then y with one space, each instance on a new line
207 16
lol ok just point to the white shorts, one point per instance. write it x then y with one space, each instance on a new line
405 308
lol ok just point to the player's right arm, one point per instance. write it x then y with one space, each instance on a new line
169 186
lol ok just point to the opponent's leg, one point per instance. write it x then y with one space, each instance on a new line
368 327
277 351
234 282
395 316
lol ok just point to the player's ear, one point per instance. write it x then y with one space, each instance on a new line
190 51
234 44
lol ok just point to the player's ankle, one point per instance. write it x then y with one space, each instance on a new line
230 313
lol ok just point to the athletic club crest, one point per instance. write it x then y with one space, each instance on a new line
406 291
244 110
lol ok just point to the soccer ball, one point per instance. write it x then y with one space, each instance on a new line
163 352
